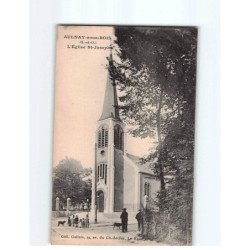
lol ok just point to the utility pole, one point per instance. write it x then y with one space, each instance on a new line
95 187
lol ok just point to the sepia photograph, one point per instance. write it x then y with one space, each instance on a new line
123 146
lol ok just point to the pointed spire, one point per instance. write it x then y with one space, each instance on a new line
110 105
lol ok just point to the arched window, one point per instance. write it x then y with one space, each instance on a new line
103 137
118 137
147 189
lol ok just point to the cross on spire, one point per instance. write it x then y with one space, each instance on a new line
110 104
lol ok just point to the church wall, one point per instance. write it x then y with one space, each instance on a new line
130 175
154 188
118 180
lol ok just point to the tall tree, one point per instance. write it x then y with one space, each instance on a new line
156 75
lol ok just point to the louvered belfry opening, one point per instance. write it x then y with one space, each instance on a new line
103 137
118 137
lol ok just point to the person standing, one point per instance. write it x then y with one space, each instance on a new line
76 221
69 222
80 223
124 219
87 220
83 223
139 219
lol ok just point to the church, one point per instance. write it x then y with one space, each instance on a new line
119 179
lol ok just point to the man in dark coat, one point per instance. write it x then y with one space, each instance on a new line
139 219
76 221
124 218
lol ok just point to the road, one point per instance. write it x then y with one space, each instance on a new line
97 235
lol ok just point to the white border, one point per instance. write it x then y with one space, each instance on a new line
45 15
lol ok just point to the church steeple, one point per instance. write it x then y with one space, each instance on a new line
110 104
109 151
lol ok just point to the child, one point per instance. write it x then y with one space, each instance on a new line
69 222
80 223
83 223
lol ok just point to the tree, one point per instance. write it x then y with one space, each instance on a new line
157 77
71 180
156 74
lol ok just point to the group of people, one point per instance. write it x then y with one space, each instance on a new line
124 220
76 222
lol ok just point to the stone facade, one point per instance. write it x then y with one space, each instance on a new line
119 178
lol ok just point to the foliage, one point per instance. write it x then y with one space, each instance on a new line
156 74
71 180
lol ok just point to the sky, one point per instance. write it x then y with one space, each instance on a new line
79 92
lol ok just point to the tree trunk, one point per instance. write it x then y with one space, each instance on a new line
158 120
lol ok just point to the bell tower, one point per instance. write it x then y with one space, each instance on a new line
109 152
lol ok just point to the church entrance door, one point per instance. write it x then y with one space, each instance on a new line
100 204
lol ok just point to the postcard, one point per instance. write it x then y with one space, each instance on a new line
123 154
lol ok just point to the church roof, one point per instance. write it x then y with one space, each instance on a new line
110 104
142 167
